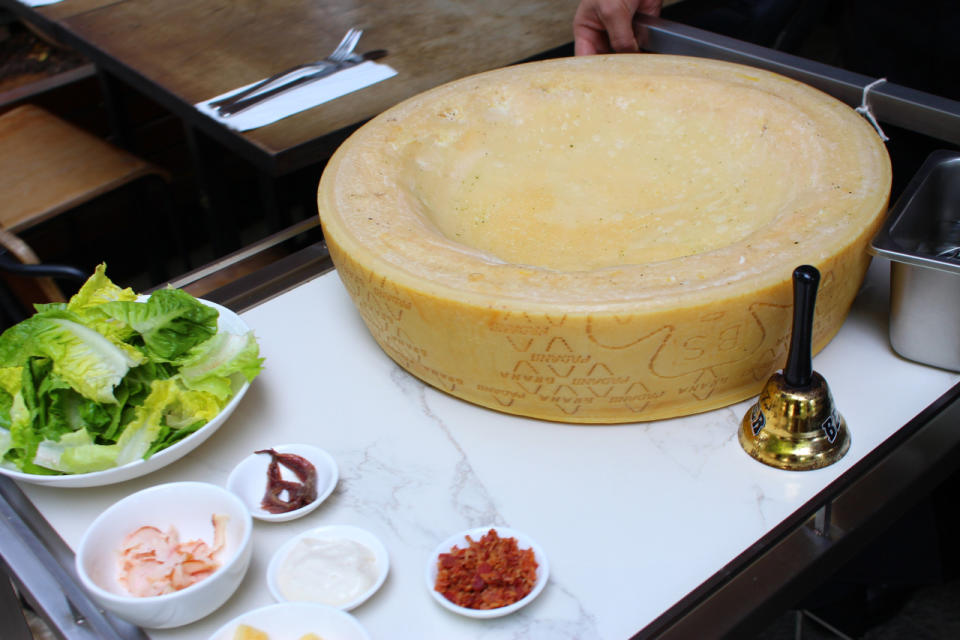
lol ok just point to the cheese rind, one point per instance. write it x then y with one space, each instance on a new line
603 239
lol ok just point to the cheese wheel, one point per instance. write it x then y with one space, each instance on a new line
603 239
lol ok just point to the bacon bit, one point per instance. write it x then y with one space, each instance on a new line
153 563
491 573
299 494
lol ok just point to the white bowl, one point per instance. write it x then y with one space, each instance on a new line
460 540
229 322
362 536
189 507
296 619
248 480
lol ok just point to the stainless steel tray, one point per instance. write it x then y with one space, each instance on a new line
921 238
923 227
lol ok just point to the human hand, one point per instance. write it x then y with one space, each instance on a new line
604 26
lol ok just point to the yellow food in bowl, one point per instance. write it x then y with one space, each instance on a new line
246 632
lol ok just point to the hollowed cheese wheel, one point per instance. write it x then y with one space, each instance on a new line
603 239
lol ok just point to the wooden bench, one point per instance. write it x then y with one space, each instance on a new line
48 167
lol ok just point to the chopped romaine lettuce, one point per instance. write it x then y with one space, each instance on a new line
88 361
170 323
211 366
105 379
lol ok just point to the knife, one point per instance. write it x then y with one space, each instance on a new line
242 105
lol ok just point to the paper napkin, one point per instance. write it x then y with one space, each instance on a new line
300 98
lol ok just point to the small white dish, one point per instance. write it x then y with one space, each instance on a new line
229 322
188 507
296 619
248 480
460 540
330 533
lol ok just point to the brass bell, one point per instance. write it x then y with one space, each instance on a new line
794 424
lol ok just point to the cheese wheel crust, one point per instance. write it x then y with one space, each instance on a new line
603 239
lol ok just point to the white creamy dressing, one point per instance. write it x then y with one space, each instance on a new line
331 571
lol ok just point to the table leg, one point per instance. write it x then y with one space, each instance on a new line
114 102
821 520
151 192
208 168
277 217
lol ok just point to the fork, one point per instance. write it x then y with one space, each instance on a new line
340 54
245 103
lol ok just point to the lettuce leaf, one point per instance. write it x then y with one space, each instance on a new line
170 323
167 415
6 441
86 303
10 380
89 362
215 365
75 453
186 411
99 289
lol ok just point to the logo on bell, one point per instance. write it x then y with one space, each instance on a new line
831 426
757 419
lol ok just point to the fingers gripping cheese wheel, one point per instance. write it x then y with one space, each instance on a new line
603 239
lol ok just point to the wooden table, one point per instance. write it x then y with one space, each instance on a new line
180 52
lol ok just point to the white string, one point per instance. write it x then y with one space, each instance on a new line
864 108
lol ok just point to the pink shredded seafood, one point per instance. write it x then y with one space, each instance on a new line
153 563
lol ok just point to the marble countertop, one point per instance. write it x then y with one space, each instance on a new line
632 517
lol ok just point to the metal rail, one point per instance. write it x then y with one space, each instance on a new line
895 104
41 565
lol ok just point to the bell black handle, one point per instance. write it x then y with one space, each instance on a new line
799 369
